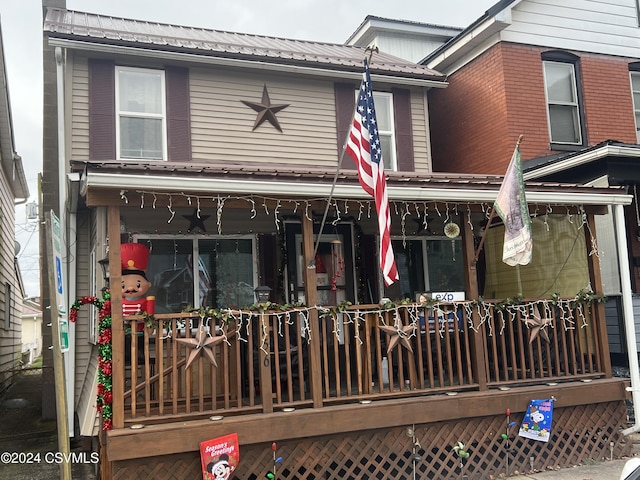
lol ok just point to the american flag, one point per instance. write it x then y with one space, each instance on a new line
363 145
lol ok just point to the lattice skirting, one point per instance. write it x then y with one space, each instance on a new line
579 434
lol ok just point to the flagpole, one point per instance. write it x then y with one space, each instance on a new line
335 176
493 214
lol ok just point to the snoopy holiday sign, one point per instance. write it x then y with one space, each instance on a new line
537 421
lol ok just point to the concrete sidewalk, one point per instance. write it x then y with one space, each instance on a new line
609 470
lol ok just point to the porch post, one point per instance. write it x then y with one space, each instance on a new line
311 296
595 277
117 328
478 343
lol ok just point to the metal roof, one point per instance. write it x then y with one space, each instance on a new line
401 185
100 29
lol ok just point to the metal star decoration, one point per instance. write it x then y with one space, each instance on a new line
197 221
398 333
266 111
538 325
202 342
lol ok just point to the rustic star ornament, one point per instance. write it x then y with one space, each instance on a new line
537 325
202 342
266 111
398 333
196 220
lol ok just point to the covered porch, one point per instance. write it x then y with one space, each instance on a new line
296 367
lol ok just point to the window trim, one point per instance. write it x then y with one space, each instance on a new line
634 70
566 58
393 161
125 114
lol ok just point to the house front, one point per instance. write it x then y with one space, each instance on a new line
222 153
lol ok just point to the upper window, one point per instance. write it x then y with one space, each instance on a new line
563 99
635 90
383 102
384 115
140 112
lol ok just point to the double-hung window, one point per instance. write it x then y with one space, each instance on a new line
384 115
635 90
140 114
563 102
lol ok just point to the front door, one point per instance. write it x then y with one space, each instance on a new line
333 264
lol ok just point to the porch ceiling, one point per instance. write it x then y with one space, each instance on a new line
285 182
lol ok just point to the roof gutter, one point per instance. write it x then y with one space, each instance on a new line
239 63
214 186
582 159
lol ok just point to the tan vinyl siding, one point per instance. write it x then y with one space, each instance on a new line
420 132
80 110
222 125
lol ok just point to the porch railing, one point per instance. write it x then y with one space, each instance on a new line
182 365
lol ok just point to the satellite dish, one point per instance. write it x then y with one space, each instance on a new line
17 247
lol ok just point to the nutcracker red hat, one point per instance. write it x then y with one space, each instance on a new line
134 258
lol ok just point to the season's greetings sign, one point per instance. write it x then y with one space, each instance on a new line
537 421
220 457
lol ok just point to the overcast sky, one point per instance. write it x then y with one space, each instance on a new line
318 20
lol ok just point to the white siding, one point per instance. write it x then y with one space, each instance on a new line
410 47
10 335
598 26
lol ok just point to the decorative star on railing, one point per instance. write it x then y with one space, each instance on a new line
398 333
537 325
202 342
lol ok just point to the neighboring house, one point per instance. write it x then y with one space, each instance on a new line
220 151
13 191
31 330
402 38
538 69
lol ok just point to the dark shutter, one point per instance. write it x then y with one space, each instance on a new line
345 94
178 114
102 114
403 129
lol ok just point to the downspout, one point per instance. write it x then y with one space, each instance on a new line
627 315
69 363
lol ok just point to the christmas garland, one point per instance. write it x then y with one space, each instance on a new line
105 394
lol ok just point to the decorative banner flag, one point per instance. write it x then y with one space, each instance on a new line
220 457
511 205
537 421
363 145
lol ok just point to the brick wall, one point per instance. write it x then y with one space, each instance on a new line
477 119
